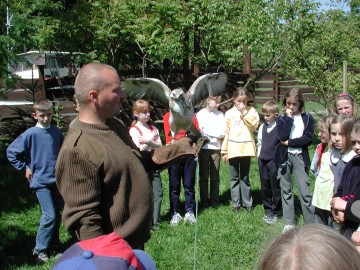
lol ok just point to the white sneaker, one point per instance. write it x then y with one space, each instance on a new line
190 217
288 228
175 220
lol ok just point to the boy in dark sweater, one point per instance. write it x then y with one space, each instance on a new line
35 152
268 141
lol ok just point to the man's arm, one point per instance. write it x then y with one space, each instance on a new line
78 181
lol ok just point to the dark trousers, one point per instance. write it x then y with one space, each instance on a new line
270 187
240 188
185 170
157 195
209 165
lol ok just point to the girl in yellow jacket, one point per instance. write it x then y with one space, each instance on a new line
239 146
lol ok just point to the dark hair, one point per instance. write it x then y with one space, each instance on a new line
241 91
295 95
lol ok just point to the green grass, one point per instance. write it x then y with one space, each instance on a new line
225 239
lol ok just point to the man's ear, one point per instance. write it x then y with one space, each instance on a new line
33 115
93 96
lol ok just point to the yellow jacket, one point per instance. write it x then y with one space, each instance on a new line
239 135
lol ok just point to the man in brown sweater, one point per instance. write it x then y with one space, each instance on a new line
99 171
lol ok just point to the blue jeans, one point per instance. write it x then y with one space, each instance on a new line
51 204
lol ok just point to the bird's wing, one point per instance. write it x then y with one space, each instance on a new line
149 89
212 84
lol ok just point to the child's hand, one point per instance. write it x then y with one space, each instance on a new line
289 112
338 204
355 238
241 107
28 174
286 143
225 158
338 216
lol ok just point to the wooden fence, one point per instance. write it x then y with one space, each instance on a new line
61 90
272 86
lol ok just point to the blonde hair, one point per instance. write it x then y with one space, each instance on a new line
346 96
356 126
325 122
270 106
346 124
42 105
295 95
311 247
140 106
90 77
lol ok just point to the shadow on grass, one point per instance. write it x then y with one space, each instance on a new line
14 191
16 247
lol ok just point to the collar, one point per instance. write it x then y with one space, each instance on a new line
41 126
348 156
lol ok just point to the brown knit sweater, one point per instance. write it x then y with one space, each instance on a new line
103 182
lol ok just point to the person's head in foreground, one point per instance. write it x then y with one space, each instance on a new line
311 247
107 252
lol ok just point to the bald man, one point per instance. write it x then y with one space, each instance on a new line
100 171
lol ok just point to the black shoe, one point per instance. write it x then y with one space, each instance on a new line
236 209
249 208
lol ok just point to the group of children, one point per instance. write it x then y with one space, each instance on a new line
282 150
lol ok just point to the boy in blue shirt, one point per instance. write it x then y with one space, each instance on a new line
268 141
35 152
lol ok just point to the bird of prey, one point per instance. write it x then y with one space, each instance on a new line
181 104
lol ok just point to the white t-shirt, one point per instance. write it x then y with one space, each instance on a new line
212 125
145 133
297 131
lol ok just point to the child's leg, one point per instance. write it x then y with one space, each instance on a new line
275 188
157 195
174 186
303 185
214 176
204 176
47 220
265 187
189 184
234 164
59 205
245 187
287 196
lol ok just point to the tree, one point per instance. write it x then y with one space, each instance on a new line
318 60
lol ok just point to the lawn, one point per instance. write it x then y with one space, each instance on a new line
224 239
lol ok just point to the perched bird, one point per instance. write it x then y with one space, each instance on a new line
181 104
